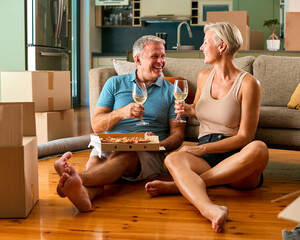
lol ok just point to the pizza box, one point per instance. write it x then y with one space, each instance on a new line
153 145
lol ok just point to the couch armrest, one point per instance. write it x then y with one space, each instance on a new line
97 79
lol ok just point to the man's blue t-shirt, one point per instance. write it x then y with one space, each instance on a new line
159 106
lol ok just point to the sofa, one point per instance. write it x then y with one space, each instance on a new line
279 76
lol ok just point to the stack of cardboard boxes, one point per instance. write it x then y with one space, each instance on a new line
51 93
252 39
18 160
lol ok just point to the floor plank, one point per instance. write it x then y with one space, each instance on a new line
126 211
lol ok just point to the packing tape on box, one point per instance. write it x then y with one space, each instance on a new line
61 116
50 104
51 80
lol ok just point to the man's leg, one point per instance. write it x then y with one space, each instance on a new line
73 184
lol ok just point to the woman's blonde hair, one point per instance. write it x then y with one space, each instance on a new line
227 32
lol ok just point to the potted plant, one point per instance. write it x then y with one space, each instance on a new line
273 43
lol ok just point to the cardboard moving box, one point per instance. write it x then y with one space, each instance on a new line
292 41
19 164
54 125
239 18
257 40
50 90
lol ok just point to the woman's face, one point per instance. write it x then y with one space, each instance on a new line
210 50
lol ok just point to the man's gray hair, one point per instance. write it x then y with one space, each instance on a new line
138 46
227 32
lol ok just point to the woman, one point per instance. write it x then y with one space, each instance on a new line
227 105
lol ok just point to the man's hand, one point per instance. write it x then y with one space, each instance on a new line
133 110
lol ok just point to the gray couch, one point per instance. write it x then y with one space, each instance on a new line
279 77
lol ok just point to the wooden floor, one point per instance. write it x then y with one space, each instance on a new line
127 212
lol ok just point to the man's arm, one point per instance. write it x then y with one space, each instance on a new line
176 137
104 118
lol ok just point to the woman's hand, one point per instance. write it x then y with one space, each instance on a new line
194 150
182 108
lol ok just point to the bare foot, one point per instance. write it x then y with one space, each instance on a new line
217 215
71 185
157 187
62 166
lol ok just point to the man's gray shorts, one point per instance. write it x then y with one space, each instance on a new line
151 164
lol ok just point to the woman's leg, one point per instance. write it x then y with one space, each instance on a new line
242 170
183 168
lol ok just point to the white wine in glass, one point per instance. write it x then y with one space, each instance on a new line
180 92
139 95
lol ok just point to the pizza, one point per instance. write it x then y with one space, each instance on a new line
124 140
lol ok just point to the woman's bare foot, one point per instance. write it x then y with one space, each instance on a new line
217 215
71 185
62 166
157 187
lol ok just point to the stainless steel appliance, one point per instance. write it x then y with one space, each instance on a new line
48 35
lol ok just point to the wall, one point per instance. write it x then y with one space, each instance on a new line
90 41
292 5
12 35
259 11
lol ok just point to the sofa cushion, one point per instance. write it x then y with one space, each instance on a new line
279 117
279 76
123 67
295 99
189 69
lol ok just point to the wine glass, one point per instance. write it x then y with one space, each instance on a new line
139 95
180 92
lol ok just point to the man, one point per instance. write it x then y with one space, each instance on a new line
116 112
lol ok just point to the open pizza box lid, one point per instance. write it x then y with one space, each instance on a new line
153 145
291 212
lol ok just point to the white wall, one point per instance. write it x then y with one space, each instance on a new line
90 41
292 6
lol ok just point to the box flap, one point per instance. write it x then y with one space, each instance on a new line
28 117
11 125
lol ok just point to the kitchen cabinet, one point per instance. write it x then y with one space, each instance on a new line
119 16
199 8
106 61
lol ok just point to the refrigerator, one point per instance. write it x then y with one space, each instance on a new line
48 40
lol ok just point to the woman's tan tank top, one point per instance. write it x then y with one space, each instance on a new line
219 116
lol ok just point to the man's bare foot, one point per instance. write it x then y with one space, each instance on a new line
62 166
157 187
217 215
71 185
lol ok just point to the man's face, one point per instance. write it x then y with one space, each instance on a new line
152 62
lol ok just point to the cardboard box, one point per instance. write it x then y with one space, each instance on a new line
153 145
292 41
291 212
50 90
19 164
257 40
54 125
239 18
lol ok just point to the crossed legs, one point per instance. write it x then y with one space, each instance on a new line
81 188
192 175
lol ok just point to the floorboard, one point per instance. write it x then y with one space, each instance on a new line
126 211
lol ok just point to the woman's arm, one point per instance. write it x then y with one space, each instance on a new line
189 109
249 97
